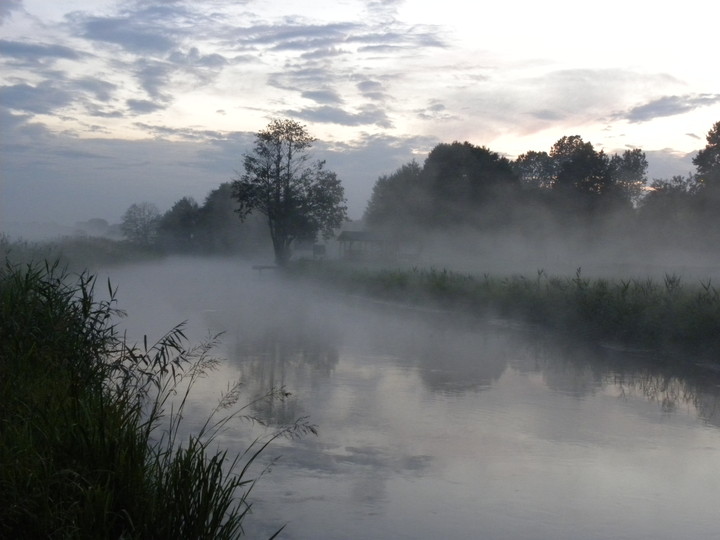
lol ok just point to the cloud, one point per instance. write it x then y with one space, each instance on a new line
322 96
290 35
435 111
371 89
33 53
7 7
120 31
670 106
43 98
302 77
101 90
154 76
143 106
368 115
193 58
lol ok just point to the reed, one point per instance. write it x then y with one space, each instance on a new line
667 315
91 444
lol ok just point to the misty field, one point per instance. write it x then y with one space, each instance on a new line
667 315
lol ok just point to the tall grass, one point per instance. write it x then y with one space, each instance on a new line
77 252
90 427
665 315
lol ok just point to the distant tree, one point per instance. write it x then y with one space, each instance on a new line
467 184
178 227
535 169
218 225
629 174
707 160
669 209
300 199
139 223
579 168
397 202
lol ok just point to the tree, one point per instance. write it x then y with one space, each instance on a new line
139 223
629 174
178 227
300 199
397 203
535 169
579 168
218 227
707 161
465 184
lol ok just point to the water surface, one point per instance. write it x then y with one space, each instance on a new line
431 426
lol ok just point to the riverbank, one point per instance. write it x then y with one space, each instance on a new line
667 316
88 448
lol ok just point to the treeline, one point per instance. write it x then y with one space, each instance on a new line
188 227
573 190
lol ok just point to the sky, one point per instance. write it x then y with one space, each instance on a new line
106 103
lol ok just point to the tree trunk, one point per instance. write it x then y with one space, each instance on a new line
281 247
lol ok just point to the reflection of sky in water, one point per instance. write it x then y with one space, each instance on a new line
446 430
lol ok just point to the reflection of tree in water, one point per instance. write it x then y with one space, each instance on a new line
459 362
276 360
449 357
579 368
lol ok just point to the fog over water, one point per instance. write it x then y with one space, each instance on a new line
439 426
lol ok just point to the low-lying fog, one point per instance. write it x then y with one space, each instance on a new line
432 426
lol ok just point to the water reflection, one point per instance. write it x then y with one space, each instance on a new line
433 426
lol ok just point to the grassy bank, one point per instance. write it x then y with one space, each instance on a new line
665 315
86 447
76 252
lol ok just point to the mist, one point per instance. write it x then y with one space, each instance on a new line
431 421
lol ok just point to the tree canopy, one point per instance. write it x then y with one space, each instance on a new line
139 223
707 160
299 198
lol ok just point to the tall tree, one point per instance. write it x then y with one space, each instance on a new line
535 169
139 223
629 174
299 198
579 168
464 181
178 227
707 160
397 203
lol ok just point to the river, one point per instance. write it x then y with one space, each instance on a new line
435 426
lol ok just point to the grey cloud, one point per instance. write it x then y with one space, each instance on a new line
547 115
324 39
33 52
153 76
97 111
7 7
404 39
327 52
375 49
371 90
322 96
435 111
41 99
296 36
670 106
128 33
143 106
102 90
303 77
186 134
368 115
194 58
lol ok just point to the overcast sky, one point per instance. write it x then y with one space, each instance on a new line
105 103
